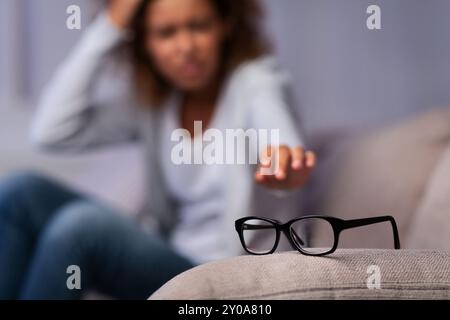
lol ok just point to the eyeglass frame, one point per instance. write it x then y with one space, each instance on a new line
338 225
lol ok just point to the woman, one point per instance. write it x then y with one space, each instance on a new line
192 60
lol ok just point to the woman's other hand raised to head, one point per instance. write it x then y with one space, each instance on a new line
121 12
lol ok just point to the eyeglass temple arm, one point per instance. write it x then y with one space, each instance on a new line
247 226
348 224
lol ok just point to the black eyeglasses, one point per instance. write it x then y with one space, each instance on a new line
311 235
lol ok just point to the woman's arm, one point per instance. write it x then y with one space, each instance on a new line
68 116
271 108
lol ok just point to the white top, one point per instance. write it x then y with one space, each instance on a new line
197 190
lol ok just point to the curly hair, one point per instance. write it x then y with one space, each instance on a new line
245 42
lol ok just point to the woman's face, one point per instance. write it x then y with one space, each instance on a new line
184 40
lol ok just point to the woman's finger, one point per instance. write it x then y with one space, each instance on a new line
265 157
283 159
297 155
258 176
310 159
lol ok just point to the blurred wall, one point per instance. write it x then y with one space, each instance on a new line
48 38
10 47
345 75
33 41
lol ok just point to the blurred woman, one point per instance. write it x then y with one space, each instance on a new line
186 61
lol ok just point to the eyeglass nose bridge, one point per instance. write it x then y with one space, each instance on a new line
294 239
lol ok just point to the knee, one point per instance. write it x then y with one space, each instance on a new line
16 188
21 182
80 222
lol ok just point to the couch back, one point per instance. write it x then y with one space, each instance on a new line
402 170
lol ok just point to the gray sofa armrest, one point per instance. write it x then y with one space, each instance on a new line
346 274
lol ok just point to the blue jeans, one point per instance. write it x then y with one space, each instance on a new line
45 228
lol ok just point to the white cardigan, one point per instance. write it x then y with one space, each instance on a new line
88 105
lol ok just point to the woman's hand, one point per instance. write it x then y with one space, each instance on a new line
293 170
122 11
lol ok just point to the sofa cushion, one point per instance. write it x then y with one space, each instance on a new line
402 274
386 171
431 221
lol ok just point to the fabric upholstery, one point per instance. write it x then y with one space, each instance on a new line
385 172
342 275
431 222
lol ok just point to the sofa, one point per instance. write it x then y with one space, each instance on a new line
400 169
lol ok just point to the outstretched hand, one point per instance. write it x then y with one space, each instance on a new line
293 169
